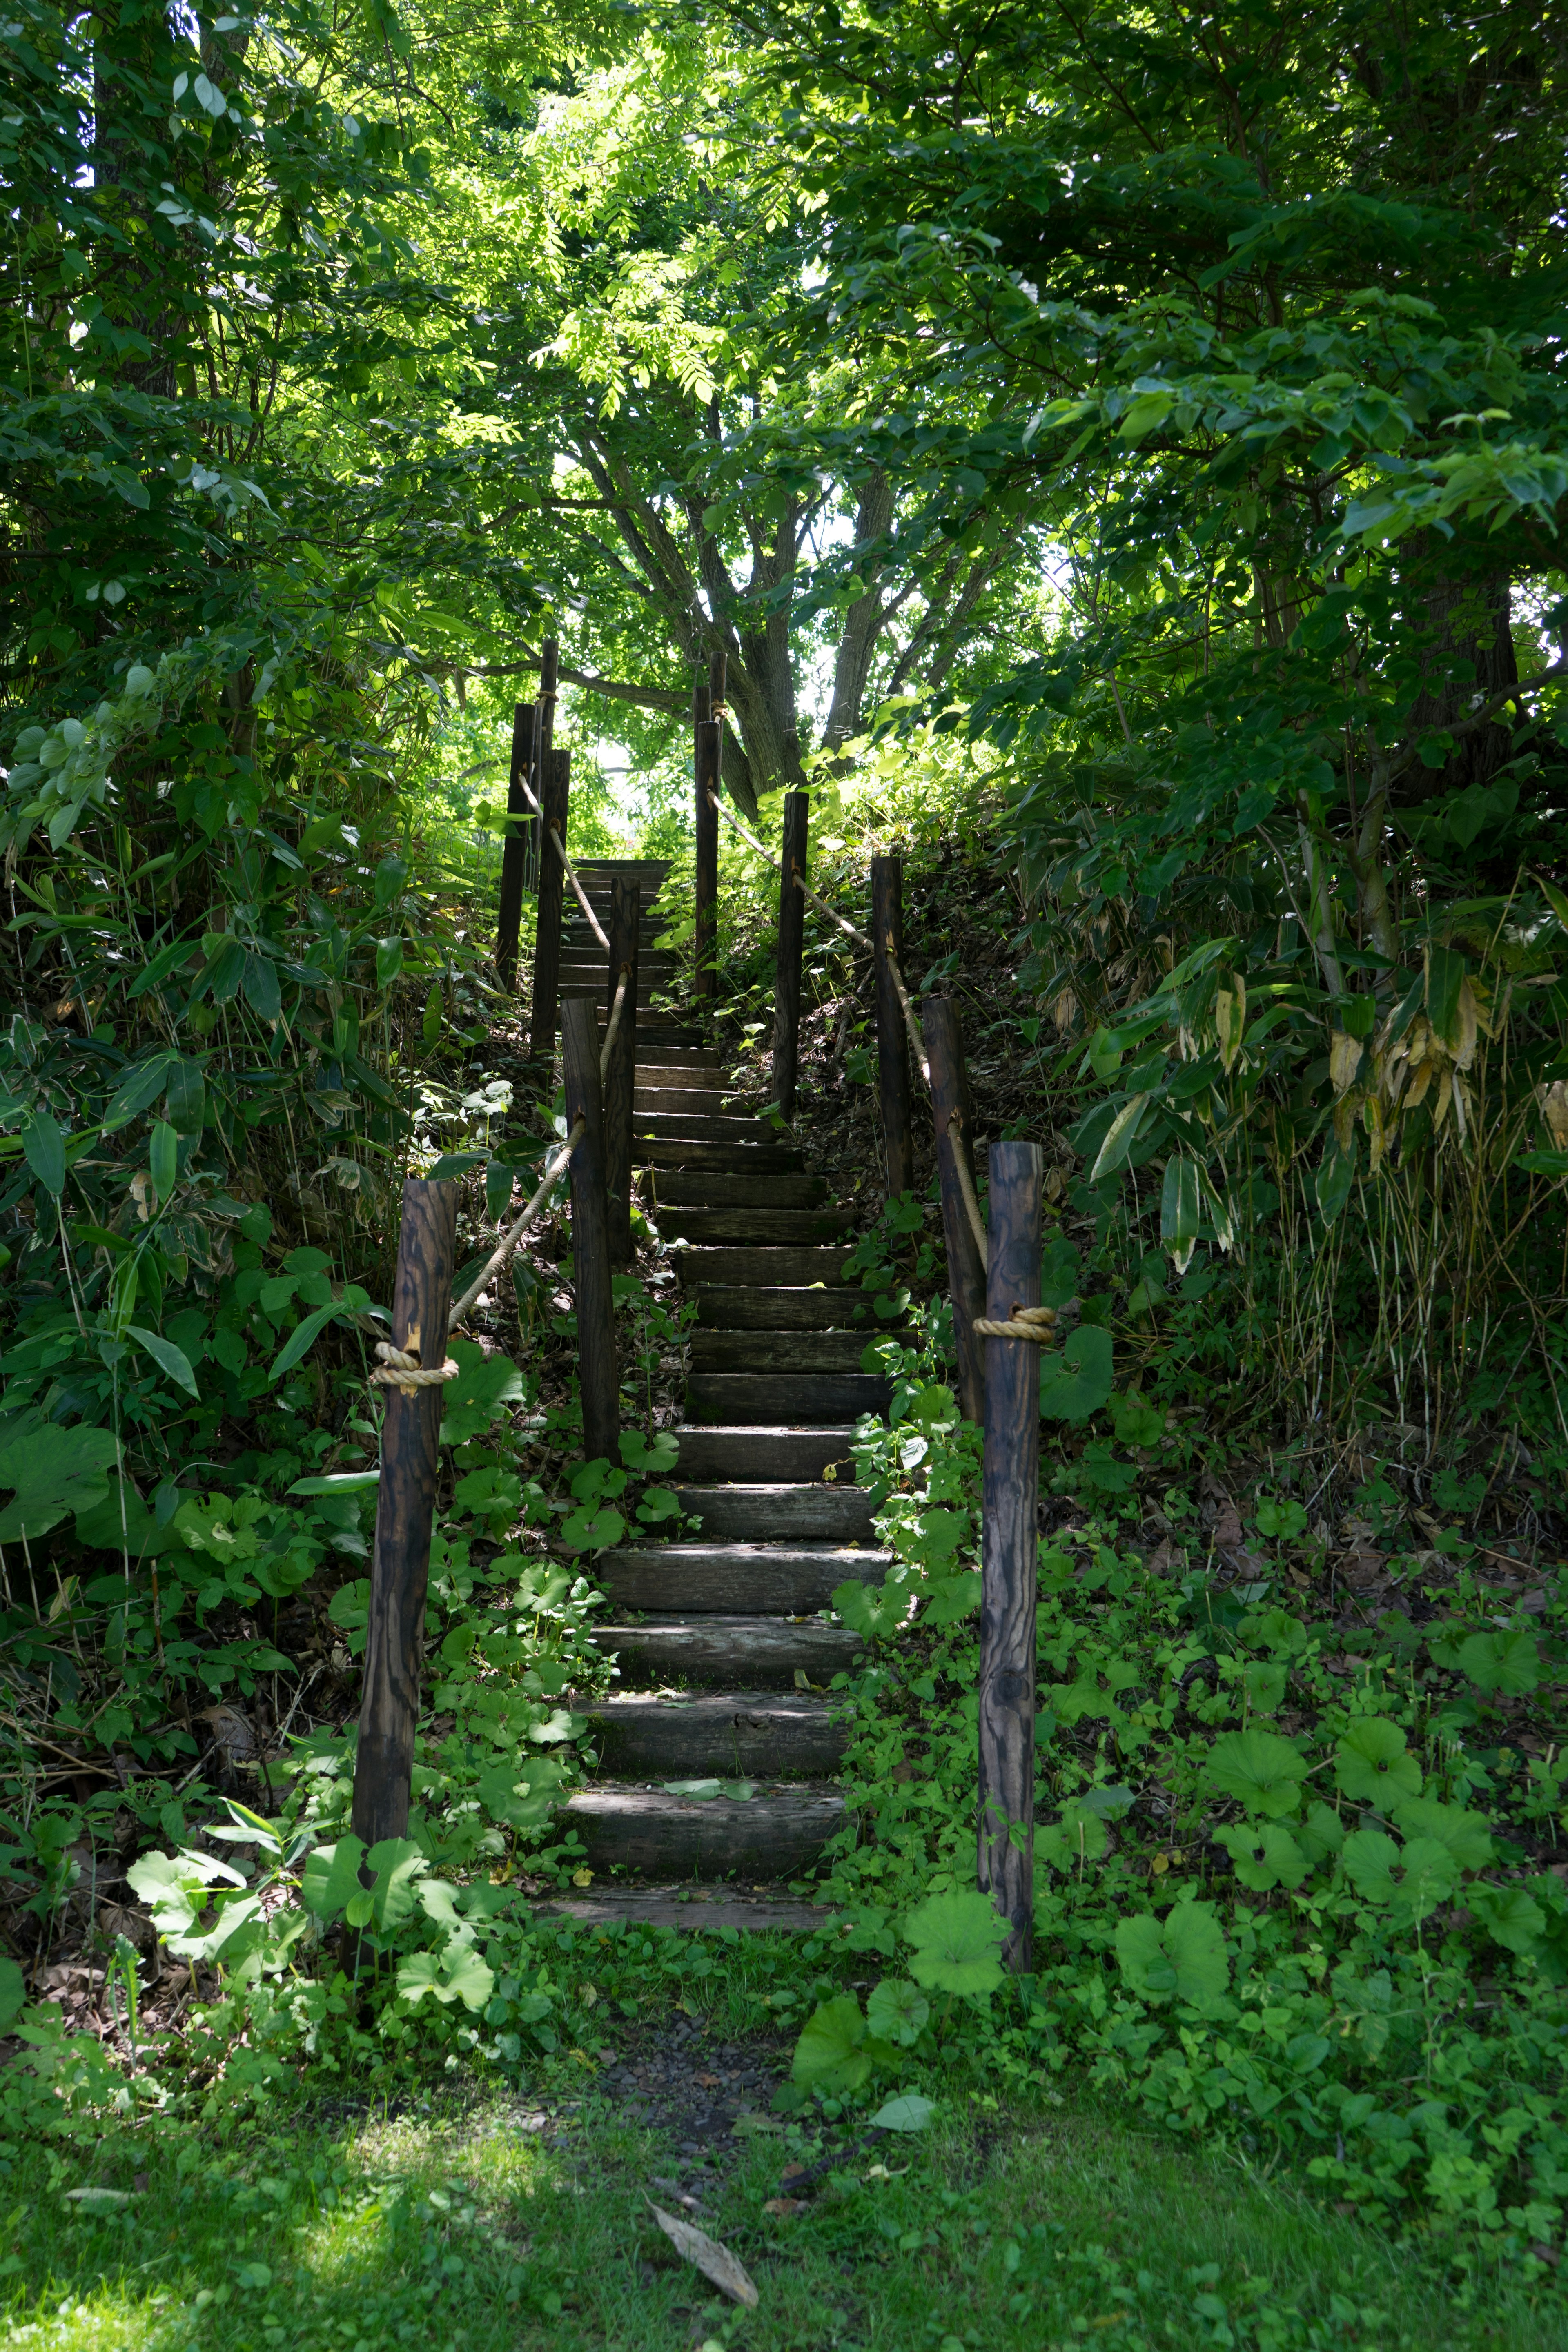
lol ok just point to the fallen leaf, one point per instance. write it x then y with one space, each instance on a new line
715 2262
582 1878
785 2205
100 2196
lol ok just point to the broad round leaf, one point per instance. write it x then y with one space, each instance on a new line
1182 1957
897 2010
1372 1765
829 2055
1264 1854
1506 1663
955 1938
1261 1770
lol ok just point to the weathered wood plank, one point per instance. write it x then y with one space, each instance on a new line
737 1579
767 1226
786 1268
740 1650
1009 1550
766 1396
596 1363
555 796
779 1352
643 1829
965 1273
836 1307
748 1159
679 1190
892 1043
760 1455
787 969
786 1735
764 1512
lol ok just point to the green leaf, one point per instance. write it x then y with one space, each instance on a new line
1444 978
337 1482
163 1157
54 1470
388 960
956 1939
1371 1765
430 1026
1413 1880
167 1357
13 1994
829 2055
1508 1916
1467 1835
458 1975
1119 1137
1076 1384
910 2112
303 1338
262 988
484 1387
1264 1853
331 1877
1181 1959
143 1083
874 1612
1506 1663
1261 1770
1181 1210
44 1149
897 2010
397 1862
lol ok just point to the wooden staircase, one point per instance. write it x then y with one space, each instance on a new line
724 1648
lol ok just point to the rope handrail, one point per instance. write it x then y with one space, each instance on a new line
966 1187
559 846
1035 1323
501 1258
614 1022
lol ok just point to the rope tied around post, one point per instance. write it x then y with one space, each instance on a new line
400 1369
1035 1323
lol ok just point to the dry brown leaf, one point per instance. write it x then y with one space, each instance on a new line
785 2205
715 2262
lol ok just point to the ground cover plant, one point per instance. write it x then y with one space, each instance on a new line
1122 461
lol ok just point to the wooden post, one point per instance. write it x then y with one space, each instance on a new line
590 1236
554 797
1009 1552
708 735
620 1077
404 1515
965 1271
516 842
892 1050
786 970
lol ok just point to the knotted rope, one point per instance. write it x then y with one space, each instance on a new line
402 1371
1035 1323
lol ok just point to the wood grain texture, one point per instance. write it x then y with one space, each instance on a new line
404 1515
761 1455
707 752
966 1273
1009 1552
646 1829
692 1152
733 1580
519 844
767 1513
782 1396
781 1351
784 1736
555 796
892 1044
596 1364
748 1651
744 1268
836 1308
787 963
677 1189
747 1224
620 1077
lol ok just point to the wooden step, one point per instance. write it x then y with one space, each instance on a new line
786 1268
836 1308
673 1066
761 1456
729 1650
763 1512
678 1190
769 1396
767 1226
742 1159
782 1734
710 1127
781 1830
781 1351
688 1098
743 1579
691 1909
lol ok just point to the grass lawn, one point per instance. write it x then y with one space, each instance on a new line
474 2224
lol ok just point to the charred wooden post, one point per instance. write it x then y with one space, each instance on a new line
555 799
965 1268
620 1074
404 1515
1009 1551
707 739
786 972
600 1378
892 1047
519 843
